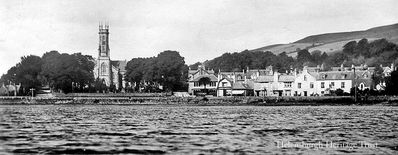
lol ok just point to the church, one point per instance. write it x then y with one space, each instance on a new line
111 71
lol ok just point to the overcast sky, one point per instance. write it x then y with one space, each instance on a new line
199 29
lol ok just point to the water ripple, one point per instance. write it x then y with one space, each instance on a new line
113 129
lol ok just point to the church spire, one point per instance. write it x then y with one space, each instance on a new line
103 49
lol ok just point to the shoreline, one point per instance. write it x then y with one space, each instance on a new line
205 101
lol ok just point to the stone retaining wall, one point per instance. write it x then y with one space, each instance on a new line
264 101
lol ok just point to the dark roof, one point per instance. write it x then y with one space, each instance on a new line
265 78
342 75
196 71
120 64
366 82
211 77
260 71
241 86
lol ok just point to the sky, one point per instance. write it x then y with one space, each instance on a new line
198 29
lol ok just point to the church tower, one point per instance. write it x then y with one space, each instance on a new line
104 61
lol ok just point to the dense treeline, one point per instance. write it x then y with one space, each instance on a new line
74 72
61 72
167 69
354 53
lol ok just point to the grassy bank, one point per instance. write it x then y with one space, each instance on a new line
158 100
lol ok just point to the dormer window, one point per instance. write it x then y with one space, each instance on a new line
323 76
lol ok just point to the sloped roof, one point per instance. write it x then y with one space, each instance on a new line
286 78
192 71
343 75
120 64
211 77
241 86
265 78
231 73
260 71
366 82
335 75
198 70
228 79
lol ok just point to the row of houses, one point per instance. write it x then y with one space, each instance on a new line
310 81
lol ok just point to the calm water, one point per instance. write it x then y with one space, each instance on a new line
107 129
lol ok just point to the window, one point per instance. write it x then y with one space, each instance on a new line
213 84
342 85
332 84
104 68
305 77
311 85
224 84
196 84
239 77
322 84
288 85
299 85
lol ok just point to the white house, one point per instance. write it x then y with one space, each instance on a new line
224 87
333 80
305 83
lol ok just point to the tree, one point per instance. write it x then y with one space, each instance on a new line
316 56
349 47
362 48
26 73
303 56
339 92
68 72
167 69
171 71
392 83
195 66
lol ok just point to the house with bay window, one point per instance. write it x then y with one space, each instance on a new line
202 81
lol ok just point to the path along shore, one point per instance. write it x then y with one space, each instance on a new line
171 100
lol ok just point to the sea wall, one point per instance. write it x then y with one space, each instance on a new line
165 100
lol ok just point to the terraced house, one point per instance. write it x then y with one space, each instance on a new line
311 81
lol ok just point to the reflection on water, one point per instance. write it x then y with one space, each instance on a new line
58 129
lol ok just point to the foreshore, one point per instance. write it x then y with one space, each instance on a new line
171 100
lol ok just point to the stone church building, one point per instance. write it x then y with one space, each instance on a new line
111 71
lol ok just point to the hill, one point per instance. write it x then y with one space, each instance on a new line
332 42
389 32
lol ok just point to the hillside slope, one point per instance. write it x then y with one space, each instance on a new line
390 32
332 42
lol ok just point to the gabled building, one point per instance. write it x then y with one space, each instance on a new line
234 84
202 81
111 72
305 83
333 80
277 84
263 85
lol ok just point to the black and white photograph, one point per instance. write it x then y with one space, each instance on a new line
199 77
